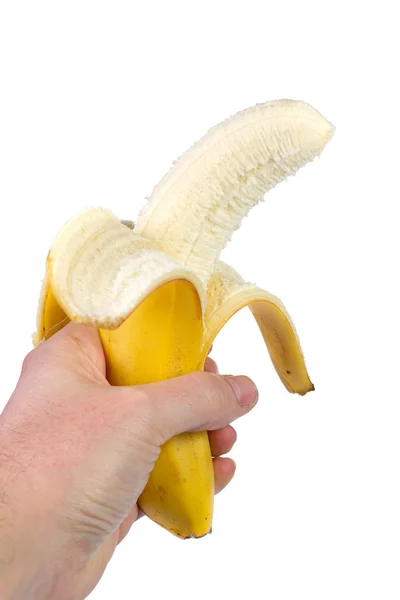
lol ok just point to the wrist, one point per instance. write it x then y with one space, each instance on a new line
21 577
35 561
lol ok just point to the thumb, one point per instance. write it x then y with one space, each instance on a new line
195 402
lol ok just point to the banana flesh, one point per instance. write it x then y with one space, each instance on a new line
158 294
101 270
194 210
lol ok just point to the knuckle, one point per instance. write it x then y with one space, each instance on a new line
141 414
210 366
219 387
202 384
215 387
27 362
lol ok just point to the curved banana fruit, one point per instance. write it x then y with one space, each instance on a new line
158 294
194 210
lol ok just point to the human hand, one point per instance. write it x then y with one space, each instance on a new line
76 453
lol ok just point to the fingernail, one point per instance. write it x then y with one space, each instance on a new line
244 388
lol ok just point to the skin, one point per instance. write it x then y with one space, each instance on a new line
76 453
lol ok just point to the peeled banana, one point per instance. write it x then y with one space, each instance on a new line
158 294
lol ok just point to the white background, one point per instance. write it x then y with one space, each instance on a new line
97 99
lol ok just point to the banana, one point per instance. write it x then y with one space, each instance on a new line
158 294
196 207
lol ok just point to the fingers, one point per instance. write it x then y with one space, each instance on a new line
222 440
127 523
211 366
224 470
73 344
86 340
195 402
